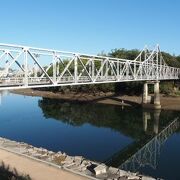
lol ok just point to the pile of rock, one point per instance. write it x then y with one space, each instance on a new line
77 164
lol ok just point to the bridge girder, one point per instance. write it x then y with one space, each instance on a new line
28 67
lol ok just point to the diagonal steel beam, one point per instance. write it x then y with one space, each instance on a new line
32 56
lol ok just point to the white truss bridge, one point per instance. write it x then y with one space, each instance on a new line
28 67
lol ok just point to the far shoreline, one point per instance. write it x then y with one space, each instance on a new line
167 102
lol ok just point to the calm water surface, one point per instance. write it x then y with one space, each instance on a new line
123 137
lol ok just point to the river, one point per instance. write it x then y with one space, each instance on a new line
129 138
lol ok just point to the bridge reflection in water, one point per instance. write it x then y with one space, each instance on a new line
149 153
148 129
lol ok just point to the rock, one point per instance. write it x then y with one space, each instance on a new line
147 178
133 177
88 172
36 149
113 170
44 151
23 151
102 176
91 168
60 153
100 169
49 159
113 176
44 156
69 160
78 160
64 154
31 150
123 173
37 155
83 168
123 178
51 153
86 162
69 165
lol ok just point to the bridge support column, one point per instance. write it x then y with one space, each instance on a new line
145 93
151 102
157 103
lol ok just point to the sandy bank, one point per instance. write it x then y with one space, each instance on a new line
167 102
36 170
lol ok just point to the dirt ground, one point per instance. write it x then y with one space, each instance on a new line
36 170
167 102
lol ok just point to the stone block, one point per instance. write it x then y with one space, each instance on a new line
147 178
78 160
123 173
113 170
100 169
133 177
68 160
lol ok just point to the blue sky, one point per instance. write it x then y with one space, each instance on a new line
91 26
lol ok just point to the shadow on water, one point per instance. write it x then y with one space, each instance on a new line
148 129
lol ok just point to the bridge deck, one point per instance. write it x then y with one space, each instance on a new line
23 67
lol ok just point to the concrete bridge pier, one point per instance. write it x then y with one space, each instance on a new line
151 102
157 104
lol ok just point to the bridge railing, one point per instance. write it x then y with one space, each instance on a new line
22 66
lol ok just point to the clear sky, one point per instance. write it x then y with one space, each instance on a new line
91 26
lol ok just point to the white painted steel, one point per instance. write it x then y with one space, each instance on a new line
33 64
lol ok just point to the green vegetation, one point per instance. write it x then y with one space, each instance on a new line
131 88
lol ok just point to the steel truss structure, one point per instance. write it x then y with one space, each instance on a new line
24 67
149 153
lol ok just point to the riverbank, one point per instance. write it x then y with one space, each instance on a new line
167 102
41 164
35 170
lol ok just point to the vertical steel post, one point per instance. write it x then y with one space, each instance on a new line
102 71
127 70
92 69
134 70
57 69
118 72
25 67
157 69
54 68
6 65
35 71
76 69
